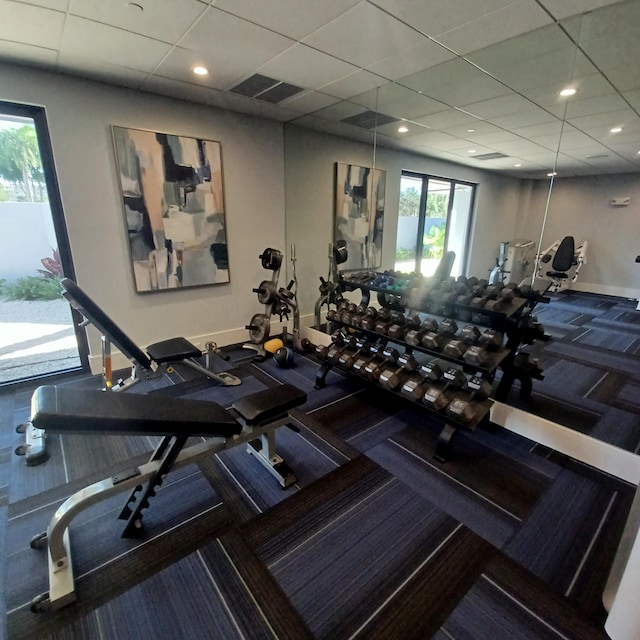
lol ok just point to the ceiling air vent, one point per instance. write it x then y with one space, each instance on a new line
265 88
490 156
369 119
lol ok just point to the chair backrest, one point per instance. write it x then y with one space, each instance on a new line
443 270
564 258
79 300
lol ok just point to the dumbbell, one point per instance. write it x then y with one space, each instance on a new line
480 386
461 409
394 377
435 397
397 329
470 334
347 357
368 321
455 378
476 355
430 371
414 336
364 358
375 367
383 321
454 349
414 388
334 351
490 339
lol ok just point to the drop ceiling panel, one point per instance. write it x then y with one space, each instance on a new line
85 39
603 122
26 24
165 20
364 35
502 106
613 53
548 94
555 67
339 111
310 101
408 61
553 128
293 19
488 139
446 119
561 9
504 23
179 63
57 5
633 98
617 18
354 84
457 94
625 78
102 71
524 119
442 15
26 53
453 71
306 67
524 47
226 37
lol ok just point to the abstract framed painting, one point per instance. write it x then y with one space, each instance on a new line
359 214
173 199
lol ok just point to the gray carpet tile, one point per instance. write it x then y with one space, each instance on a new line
569 528
507 602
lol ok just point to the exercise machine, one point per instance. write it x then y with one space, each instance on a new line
252 420
514 263
159 358
561 263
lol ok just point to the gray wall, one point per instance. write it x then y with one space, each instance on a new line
581 207
80 114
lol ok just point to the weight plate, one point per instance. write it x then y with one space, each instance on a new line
271 259
267 292
259 328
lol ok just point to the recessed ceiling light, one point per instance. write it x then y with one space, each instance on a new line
517 165
470 130
569 91
471 151
550 175
616 130
200 71
403 129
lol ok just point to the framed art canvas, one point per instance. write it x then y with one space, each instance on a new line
359 214
173 199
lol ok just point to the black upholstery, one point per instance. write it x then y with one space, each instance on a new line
443 270
79 300
564 258
172 350
269 404
62 409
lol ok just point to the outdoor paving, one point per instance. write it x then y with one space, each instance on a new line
36 338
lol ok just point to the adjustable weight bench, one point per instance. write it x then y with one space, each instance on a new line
160 356
64 410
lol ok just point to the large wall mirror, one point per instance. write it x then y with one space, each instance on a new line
483 104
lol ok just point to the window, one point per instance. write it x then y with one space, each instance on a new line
434 216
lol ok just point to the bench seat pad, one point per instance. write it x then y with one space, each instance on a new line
263 406
61 409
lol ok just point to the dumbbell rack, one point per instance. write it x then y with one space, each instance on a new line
466 406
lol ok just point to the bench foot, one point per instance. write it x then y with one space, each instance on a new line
274 464
34 448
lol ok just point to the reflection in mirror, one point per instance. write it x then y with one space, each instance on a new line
485 111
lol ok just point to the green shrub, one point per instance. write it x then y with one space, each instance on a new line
405 254
33 288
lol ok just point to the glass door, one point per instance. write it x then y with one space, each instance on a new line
434 216
37 334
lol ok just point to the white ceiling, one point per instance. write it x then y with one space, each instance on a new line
463 74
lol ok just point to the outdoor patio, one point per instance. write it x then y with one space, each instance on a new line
36 338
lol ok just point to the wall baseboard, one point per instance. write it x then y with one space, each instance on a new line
607 290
